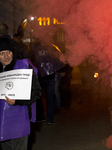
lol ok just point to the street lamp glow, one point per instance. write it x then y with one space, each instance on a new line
32 18
95 75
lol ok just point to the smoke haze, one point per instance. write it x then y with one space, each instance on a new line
87 30
88 33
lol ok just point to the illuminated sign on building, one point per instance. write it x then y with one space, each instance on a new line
47 21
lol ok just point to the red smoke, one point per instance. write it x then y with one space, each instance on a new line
90 30
87 28
108 142
88 33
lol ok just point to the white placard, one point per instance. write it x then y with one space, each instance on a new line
16 84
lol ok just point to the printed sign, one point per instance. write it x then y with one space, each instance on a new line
16 84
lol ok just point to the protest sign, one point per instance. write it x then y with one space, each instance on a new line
16 84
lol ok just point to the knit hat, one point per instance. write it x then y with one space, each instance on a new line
6 44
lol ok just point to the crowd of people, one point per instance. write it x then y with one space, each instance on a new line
14 54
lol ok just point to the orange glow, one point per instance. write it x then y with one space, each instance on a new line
56 47
40 21
55 21
95 75
46 21
24 25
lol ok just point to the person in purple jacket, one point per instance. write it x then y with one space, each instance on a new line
15 115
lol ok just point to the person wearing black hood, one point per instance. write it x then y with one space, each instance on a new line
15 115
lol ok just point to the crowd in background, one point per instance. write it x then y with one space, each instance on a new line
54 81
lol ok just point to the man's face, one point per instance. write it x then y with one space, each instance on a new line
6 57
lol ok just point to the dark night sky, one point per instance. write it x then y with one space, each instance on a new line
11 15
6 12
